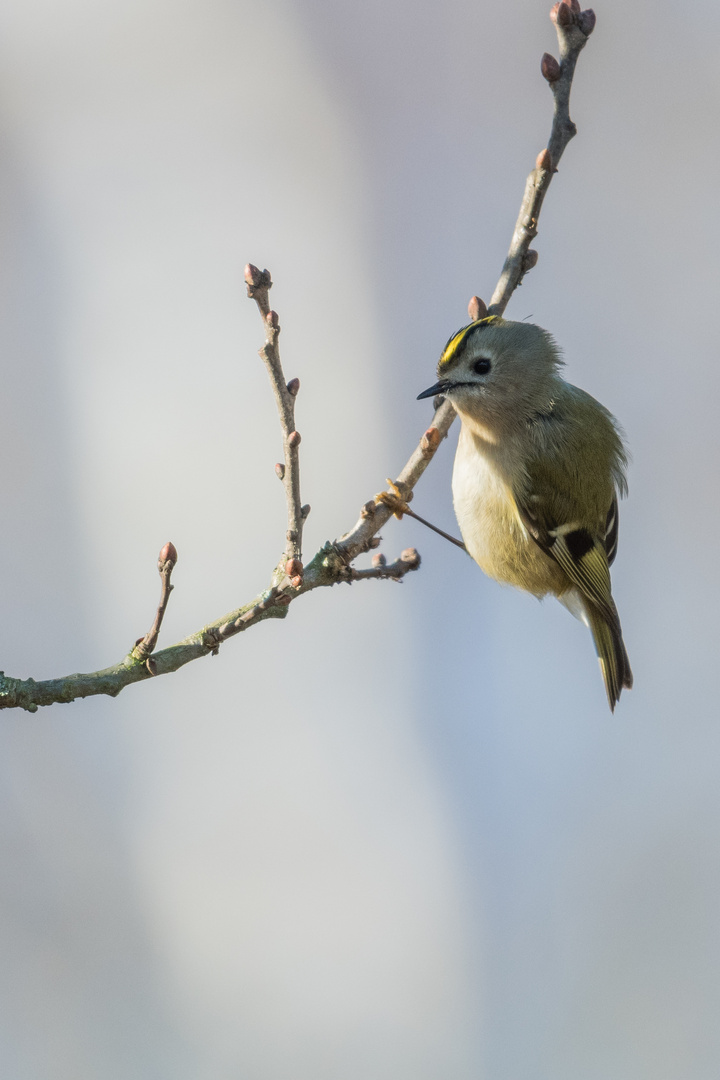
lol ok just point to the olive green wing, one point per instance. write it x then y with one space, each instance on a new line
582 556
586 561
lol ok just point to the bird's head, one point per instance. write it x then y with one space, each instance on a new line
498 373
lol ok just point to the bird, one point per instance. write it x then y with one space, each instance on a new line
539 467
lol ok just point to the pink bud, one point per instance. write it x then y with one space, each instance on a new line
293 386
543 160
379 560
168 554
296 582
272 319
293 568
477 309
550 68
280 470
410 556
294 439
253 276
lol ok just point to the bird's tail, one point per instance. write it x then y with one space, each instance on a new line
613 657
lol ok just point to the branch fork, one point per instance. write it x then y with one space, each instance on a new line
332 564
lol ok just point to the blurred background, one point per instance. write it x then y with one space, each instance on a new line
398 835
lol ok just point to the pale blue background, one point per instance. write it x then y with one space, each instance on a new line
399 836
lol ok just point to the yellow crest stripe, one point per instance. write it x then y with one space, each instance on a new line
457 341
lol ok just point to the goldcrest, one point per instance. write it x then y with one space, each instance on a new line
538 471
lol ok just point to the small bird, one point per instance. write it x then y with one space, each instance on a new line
538 471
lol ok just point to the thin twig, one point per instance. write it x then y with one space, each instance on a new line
144 646
573 29
259 283
382 570
332 563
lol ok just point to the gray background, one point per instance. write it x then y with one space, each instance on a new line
399 835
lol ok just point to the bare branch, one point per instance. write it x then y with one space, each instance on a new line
573 29
332 564
259 283
145 646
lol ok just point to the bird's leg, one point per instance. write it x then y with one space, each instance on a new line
397 500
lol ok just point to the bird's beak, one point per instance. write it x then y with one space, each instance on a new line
440 387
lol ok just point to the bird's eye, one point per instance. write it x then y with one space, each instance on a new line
481 366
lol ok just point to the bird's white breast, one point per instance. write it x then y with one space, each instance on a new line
489 522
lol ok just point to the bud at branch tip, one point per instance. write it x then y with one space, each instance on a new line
168 554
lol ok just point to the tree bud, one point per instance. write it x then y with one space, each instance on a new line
431 439
410 556
280 470
586 21
575 6
293 386
272 319
168 555
374 542
477 309
253 276
305 510
293 568
564 14
550 68
294 439
296 582
379 560
544 160
530 260
368 510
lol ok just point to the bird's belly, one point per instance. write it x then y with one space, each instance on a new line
494 535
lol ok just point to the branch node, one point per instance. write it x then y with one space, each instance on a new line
212 640
400 494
